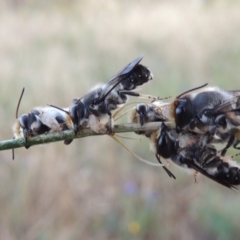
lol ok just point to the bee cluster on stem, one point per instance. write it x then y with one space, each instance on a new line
87 110
191 125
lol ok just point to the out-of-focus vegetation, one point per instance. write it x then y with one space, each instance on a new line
93 189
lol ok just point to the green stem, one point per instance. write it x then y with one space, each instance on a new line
69 134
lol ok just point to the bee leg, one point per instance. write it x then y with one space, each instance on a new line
166 170
192 124
169 164
65 127
136 94
204 139
67 142
95 125
26 144
25 135
109 124
208 138
142 118
235 145
213 131
229 144
195 176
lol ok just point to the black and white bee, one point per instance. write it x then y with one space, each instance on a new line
205 160
157 111
186 150
39 121
105 98
208 111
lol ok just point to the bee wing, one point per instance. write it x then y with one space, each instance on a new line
206 174
125 70
120 76
227 106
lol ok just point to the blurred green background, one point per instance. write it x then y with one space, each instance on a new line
93 188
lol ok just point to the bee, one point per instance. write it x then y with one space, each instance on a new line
186 150
205 160
39 121
105 98
206 110
209 111
151 112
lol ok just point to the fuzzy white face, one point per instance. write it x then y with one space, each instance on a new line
17 130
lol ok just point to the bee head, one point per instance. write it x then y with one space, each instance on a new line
142 110
24 123
78 113
138 77
183 112
29 123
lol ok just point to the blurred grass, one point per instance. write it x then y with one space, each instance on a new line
93 189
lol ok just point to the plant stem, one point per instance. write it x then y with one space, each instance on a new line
69 134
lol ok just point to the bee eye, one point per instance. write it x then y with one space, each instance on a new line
180 110
205 112
141 108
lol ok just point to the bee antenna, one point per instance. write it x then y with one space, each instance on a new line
19 101
193 89
160 99
126 112
121 108
61 109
